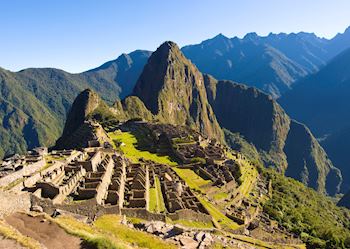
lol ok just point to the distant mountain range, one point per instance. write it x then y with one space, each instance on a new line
271 63
322 102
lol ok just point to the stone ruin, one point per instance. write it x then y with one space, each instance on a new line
137 186
177 195
17 166
98 180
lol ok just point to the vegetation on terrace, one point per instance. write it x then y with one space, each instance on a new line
110 224
128 142
90 234
193 180
217 216
107 233
248 177
193 224
156 198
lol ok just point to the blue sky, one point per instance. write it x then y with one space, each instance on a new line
76 35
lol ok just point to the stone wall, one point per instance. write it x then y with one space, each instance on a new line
32 179
188 214
142 214
26 170
87 208
106 180
13 202
69 186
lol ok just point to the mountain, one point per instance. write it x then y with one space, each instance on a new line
272 63
35 101
172 90
246 60
281 142
77 133
124 71
321 101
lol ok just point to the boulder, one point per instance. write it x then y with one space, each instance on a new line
37 208
124 221
188 243
199 236
207 238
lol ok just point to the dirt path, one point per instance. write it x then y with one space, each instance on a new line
9 244
44 231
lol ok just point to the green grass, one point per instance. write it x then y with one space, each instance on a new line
248 179
220 196
153 200
135 220
193 180
131 152
262 244
156 202
194 224
110 224
218 217
196 182
90 234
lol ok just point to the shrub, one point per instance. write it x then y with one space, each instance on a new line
311 215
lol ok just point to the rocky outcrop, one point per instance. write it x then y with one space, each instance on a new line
79 129
85 103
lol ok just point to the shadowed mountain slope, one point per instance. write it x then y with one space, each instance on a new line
322 102
281 142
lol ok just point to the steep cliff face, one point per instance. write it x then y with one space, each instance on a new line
172 88
322 102
87 106
281 142
308 162
85 103
253 114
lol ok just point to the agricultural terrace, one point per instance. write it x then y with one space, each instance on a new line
127 143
